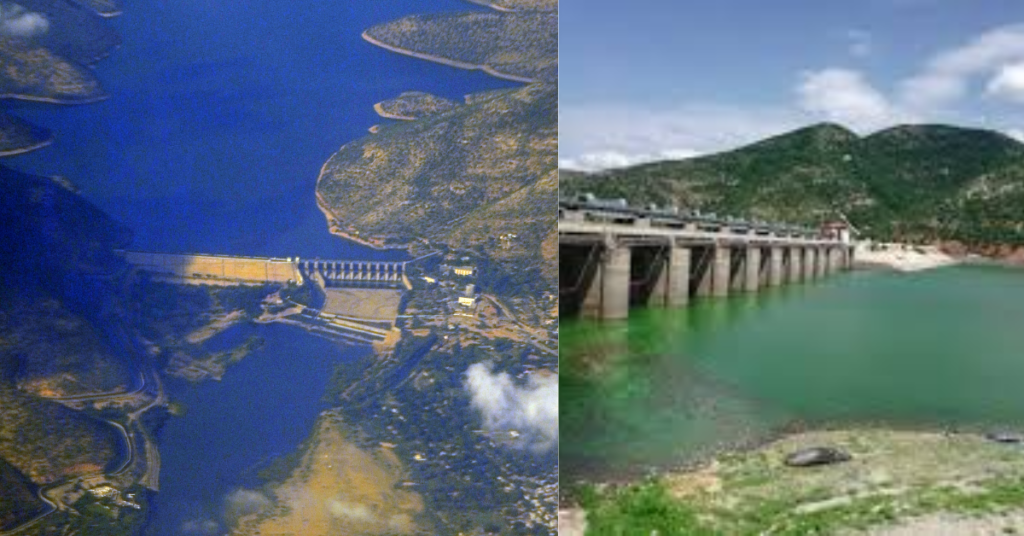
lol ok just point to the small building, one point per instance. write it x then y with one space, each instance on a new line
837 230
464 270
467 301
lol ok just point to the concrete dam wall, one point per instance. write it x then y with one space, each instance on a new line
216 267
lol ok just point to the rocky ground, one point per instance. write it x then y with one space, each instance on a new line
898 483
902 257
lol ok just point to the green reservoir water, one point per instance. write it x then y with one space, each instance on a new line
943 348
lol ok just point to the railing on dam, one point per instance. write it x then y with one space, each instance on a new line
613 257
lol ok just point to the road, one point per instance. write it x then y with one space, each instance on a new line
150 478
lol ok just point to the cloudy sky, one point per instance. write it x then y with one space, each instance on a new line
662 79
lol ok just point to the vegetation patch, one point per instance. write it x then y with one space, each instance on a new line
907 183
895 476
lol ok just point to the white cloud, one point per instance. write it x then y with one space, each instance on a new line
1008 83
201 527
607 135
602 136
16 21
614 159
860 43
1016 133
947 76
845 96
530 409
242 502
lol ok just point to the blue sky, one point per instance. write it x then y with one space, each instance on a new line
659 79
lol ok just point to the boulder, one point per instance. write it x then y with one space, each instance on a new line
813 456
1009 438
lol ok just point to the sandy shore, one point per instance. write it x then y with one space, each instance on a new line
51 100
334 225
27 148
445 61
495 7
379 108
901 257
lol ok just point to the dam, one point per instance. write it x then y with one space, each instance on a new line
613 257
190 267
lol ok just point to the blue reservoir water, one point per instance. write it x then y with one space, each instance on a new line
220 117
262 409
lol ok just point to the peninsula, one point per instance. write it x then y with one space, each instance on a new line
19 137
412 105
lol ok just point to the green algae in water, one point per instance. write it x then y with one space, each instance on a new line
936 349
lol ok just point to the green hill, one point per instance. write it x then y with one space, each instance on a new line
481 175
53 66
52 324
75 32
462 177
517 44
18 500
52 320
912 182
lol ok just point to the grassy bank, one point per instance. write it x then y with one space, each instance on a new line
895 476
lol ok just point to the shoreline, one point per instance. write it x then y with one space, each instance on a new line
981 260
332 219
380 111
902 257
52 100
890 463
27 148
495 7
751 447
445 61
906 261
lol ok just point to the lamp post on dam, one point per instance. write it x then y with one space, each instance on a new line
613 257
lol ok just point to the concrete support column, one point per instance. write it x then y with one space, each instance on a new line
796 263
591 307
678 277
752 269
774 266
820 264
659 294
615 282
809 272
705 262
672 289
721 271
737 269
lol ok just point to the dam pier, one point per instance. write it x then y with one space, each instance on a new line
613 257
